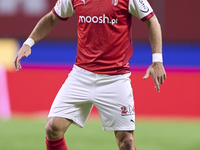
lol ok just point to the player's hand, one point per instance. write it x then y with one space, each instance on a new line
157 71
25 51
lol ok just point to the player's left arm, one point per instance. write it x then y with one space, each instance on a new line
156 69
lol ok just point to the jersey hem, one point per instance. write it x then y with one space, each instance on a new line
63 19
106 71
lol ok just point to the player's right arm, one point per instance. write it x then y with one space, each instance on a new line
43 27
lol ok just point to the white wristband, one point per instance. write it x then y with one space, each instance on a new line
157 57
30 42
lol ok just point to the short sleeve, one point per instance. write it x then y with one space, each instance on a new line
141 9
63 9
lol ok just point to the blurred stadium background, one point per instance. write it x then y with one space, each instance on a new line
31 90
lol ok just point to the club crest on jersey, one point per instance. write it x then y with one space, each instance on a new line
127 110
114 2
58 3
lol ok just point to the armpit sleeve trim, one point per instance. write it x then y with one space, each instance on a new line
148 16
63 19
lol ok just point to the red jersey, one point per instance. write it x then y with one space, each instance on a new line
104 31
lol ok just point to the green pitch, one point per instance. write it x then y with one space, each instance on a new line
30 135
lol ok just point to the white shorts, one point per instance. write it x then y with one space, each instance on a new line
111 94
